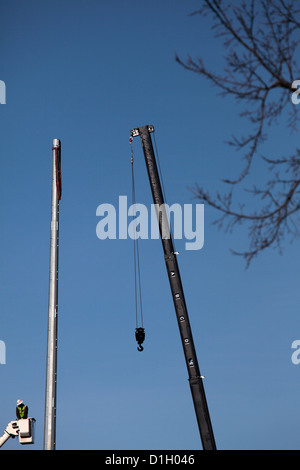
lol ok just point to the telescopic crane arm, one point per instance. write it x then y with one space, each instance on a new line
195 378
11 430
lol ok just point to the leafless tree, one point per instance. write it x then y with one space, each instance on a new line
261 39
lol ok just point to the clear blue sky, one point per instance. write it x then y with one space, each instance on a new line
87 72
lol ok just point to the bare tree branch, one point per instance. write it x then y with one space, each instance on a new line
261 39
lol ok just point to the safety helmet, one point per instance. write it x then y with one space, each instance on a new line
19 402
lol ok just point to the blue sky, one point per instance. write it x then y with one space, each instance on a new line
86 72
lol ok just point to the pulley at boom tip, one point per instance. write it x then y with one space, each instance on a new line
136 132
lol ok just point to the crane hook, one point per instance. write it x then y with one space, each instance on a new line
140 337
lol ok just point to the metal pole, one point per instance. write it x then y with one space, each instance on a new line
51 373
195 378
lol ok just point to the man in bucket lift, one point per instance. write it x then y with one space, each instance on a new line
21 410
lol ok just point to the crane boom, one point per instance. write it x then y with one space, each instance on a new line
195 378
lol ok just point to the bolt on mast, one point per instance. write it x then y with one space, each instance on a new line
51 368
195 378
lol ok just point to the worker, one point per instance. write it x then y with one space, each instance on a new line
21 410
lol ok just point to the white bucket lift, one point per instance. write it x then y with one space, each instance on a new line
24 428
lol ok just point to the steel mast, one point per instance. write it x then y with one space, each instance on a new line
51 372
195 378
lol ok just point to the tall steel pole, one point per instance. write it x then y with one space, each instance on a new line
195 378
51 372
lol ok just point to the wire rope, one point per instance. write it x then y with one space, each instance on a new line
136 256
